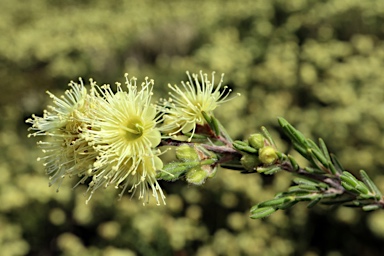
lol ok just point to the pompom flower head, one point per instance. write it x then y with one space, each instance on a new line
184 108
66 151
124 133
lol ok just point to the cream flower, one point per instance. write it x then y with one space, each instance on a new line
66 152
125 135
183 111
136 173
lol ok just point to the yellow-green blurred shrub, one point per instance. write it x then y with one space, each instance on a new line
316 63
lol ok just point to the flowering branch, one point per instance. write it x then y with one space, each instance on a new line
108 136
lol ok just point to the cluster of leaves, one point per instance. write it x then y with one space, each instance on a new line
324 180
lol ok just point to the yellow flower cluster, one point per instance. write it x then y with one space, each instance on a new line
109 136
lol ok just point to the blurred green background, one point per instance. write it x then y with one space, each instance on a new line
316 63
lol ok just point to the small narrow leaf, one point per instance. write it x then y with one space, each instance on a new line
300 180
275 202
324 149
320 157
315 161
371 207
362 188
302 150
347 186
313 146
309 196
268 136
308 187
215 126
332 168
336 163
288 205
294 164
196 136
313 203
349 178
262 212
206 117
297 135
282 122
268 170
371 185
242 146
308 181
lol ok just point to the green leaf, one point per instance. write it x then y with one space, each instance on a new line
320 157
332 168
324 149
174 170
302 150
310 182
336 163
215 125
243 146
268 136
347 186
313 146
196 136
303 188
371 185
371 207
309 187
288 205
362 188
268 170
305 181
275 202
308 196
292 133
207 117
262 212
294 164
313 203
349 178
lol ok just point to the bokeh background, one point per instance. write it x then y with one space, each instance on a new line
319 64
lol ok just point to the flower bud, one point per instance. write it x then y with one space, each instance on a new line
267 155
210 170
196 176
186 153
249 162
256 140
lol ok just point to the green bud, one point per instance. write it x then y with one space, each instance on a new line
267 155
249 162
186 153
196 176
256 140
